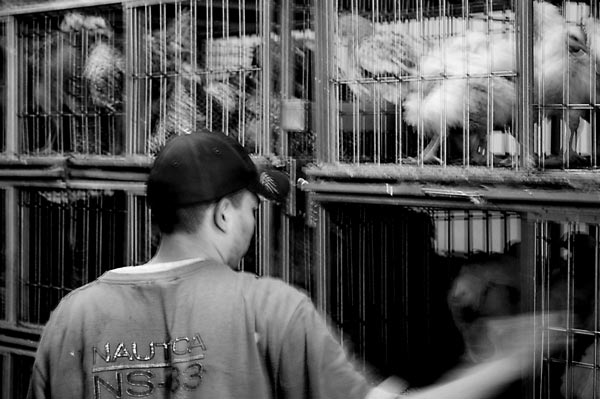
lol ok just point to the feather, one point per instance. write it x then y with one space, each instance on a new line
478 53
367 51
104 71
179 115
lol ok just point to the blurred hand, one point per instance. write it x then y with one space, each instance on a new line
525 335
519 342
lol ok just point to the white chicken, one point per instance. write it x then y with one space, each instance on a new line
442 104
562 76
371 60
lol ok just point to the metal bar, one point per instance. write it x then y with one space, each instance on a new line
528 297
265 23
571 179
524 34
539 211
131 61
46 6
322 245
11 86
490 197
11 260
326 127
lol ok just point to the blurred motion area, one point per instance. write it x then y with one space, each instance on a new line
443 156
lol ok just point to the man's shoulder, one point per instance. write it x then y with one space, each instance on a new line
268 292
272 285
75 305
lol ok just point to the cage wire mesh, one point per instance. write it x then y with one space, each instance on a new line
3 78
198 65
435 82
391 272
67 238
71 82
17 380
22 366
567 268
294 78
409 285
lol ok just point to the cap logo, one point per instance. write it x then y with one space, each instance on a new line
268 182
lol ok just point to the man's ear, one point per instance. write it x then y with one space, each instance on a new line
221 214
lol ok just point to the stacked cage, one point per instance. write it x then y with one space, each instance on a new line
422 134
435 196
71 67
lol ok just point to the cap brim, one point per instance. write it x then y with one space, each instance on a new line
272 185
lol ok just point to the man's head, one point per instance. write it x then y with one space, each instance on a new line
208 180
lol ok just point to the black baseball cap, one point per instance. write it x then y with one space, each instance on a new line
206 166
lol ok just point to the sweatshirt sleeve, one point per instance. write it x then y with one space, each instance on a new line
312 363
39 383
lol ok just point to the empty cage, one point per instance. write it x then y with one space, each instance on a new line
470 83
66 239
71 84
17 369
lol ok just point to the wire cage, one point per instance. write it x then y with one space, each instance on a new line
19 368
71 68
465 83
389 270
66 239
295 77
408 290
198 65
567 265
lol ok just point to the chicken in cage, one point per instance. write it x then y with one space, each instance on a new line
450 77
487 289
487 286
189 76
72 75
491 286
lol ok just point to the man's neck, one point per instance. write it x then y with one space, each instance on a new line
179 246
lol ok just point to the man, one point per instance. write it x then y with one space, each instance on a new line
186 325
